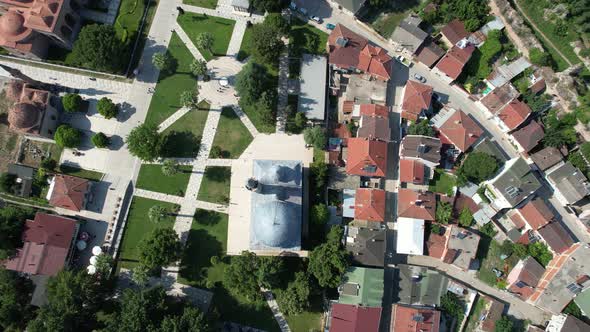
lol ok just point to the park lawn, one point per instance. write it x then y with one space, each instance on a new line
81 173
246 46
254 116
208 238
232 136
385 20
221 29
300 35
151 178
166 98
305 321
489 255
183 137
215 185
139 226
536 9
442 182
211 4
129 18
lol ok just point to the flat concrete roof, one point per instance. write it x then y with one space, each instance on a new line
410 236
312 90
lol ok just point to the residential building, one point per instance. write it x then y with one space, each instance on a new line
416 100
408 36
461 248
410 236
512 185
528 137
350 52
451 65
429 53
69 192
48 245
374 128
419 285
566 323
23 179
423 148
276 190
506 72
453 32
436 245
569 183
31 112
491 313
366 157
513 115
366 245
564 278
496 99
354 318
372 110
28 28
457 128
492 148
362 286
416 204
350 7
556 237
583 301
547 158
369 204
536 213
312 91
362 91
241 6
524 278
412 319
414 171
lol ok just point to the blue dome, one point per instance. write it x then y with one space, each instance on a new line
275 224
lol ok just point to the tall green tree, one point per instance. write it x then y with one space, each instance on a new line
72 102
100 140
267 43
477 167
160 248
12 222
198 67
162 61
107 108
504 324
241 275
276 22
421 127
141 310
444 212
251 82
15 296
97 47
145 142
328 261
295 299
67 136
315 136
192 319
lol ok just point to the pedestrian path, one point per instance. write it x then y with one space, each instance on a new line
188 42
220 162
276 312
236 38
212 207
283 92
223 11
173 118
179 161
159 196
246 121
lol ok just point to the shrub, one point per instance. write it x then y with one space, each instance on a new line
107 108
100 140
67 137
72 102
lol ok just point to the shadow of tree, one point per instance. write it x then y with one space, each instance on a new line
205 217
218 174
200 247
181 144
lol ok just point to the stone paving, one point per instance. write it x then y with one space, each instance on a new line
246 121
220 162
159 196
173 118
188 42
225 11
276 311
236 38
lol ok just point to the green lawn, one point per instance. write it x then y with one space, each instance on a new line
211 4
305 321
442 182
166 98
385 20
246 46
81 173
232 136
536 9
151 178
207 238
221 29
128 20
215 185
305 38
489 254
183 137
139 226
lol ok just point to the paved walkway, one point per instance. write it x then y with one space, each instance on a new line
211 206
283 94
159 196
220 162
188 42
236 38
518 308
246 121
276 312
223 11
173 118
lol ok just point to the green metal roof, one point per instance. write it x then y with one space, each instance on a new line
583 301
370 282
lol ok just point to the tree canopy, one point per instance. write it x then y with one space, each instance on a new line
328 261
315 136
100 140
107 108
12 221
67 137
162 61
15 296
160 248
473 13
198 67
276 22
295 299
170 167
273 6
247 272
266 43
477 167
421 127
251 82
465 218
97 47
190 98
72 102
145 142
503 325
444 212
540 252
205 41
538 57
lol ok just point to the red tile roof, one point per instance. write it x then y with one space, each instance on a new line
538 86
416 204
69 192
369 204
417 98
514 114
410 319
463 201
348 106
374 110
375 61
411 171
352 318
365 155
499 97
454 31
453 62
461 130
517 220
536 213
437 245
529 136
524 277
345 55
46 244
557 238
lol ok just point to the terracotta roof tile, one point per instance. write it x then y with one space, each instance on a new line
352 318
374 110
536 213
369 204
454 31
69 192
461 130
375 61
453 62
417 98
404 319
514 114
411 171
366 157
416 204
556 237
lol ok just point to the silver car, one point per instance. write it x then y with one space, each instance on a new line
419 78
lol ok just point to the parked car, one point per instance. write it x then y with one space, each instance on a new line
316 18
419 78
303 11
330 26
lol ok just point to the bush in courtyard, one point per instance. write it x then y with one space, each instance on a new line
170 167
157 213
477 167
205 41
97 47
107 108
198 67
444 212
67 137
72 102
190 98
315 136
100 140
